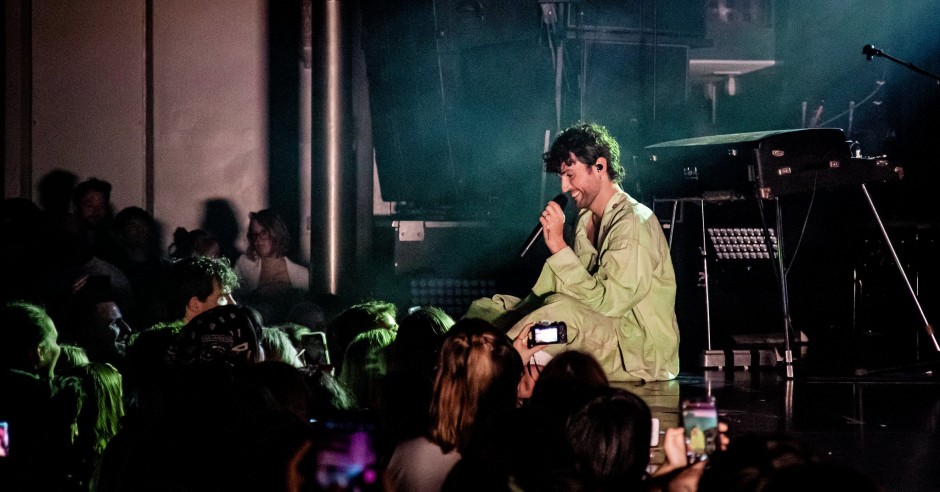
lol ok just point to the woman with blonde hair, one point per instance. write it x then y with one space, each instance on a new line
478 372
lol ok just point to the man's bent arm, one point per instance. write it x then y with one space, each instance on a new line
623 278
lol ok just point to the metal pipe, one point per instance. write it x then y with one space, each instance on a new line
332 201
333 139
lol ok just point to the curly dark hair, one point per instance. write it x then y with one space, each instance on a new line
193 277
589 142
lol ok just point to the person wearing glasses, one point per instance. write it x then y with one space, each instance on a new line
268 278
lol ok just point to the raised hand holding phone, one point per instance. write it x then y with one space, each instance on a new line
700 420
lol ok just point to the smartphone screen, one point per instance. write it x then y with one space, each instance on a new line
700 419
4 439
315 350
545 334
548 332
346 457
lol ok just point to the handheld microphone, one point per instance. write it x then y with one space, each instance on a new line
870 51
561 200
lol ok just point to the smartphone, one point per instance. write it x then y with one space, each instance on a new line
4 439
315 351
700 419
346 456
547 333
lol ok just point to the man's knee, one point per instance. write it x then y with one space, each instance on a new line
564 301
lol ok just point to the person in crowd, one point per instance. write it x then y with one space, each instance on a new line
197 242
145 366
412 360
295 333
419 337
277 346
563 386
309 314
194 285
475 387
221 419
270 280
70 357
224 335
285 384
30 341
330 397
96 323
99 418
140 257
198 284
93 214
365 365
39 425
92 201
55 193
614 285
75 263
357 319
610 437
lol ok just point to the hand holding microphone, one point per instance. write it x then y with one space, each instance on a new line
551 225
552 221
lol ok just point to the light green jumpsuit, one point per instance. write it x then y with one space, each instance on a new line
618 301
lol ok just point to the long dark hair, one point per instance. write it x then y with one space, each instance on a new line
610 438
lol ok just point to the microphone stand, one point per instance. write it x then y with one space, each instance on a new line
870 52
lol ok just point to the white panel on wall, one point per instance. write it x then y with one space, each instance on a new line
210 109
89 93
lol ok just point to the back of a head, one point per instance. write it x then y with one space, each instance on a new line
365 364
308 314
23 328
127 215
221 336
419 338
330 397
610 438
55 190
357 319
478 371
72 356
566 371
197 242
277 346
103 404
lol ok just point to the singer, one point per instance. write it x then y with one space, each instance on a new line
615 286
